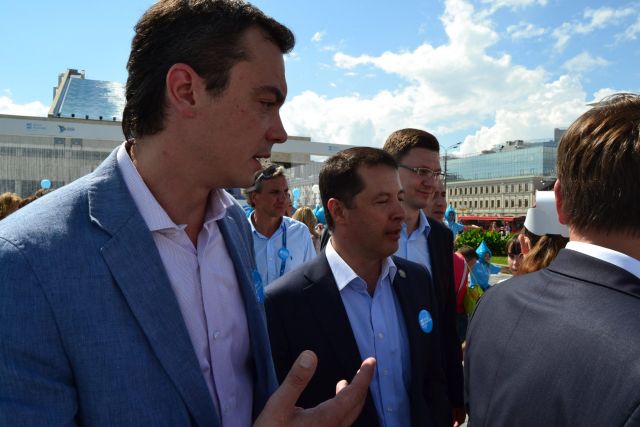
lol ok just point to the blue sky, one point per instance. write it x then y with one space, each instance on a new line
480 71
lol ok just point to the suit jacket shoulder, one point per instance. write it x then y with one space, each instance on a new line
552 327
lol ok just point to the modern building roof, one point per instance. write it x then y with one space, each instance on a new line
77 97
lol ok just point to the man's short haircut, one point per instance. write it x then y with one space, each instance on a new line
400 142
339 177
265 174
599 167
468 253
206 35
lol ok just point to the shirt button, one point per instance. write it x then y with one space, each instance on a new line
386 372
216 334
389 409
380 335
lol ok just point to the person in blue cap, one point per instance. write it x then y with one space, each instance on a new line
483 268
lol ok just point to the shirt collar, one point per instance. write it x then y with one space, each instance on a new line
616 258
344 274
423 226
276 233
152 212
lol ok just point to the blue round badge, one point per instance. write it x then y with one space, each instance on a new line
425 320
283 254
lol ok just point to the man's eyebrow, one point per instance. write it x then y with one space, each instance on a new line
272 90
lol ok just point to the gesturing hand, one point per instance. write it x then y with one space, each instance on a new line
342 410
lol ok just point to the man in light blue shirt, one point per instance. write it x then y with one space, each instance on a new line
355 300
280 243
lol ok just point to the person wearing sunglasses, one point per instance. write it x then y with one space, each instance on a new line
280 243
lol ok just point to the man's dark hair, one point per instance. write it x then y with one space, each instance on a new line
468 253
599 167
204 34
400 142
340 178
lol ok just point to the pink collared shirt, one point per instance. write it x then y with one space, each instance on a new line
206 288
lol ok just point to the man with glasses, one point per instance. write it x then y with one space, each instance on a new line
429 242
280 243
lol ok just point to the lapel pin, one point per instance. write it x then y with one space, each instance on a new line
402 274
425 321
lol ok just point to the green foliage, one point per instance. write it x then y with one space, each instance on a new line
496 241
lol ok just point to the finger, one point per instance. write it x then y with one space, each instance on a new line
350 398
303 368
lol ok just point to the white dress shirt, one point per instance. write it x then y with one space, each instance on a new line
206 288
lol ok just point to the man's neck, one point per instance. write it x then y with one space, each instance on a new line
366 268
411 219
180 197
266 225
624 243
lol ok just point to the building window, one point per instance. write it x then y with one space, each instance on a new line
526 203
526 187
497 203
512 203
519 203
475 203
519 188
492 203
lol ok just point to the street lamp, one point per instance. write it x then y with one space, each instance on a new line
446 157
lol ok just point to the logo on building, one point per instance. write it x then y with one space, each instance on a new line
35 126
65 129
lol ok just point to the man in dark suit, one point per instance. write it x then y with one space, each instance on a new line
560 346
428 242
127 297
354 300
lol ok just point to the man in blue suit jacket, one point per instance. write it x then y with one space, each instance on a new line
559 346
96 324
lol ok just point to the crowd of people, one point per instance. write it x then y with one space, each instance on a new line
143 294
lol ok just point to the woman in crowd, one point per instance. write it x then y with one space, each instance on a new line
306 216
542 236
514 255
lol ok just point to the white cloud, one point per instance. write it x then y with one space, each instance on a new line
292 56
318 36
447 88
584 62
35 108
595 19
495 5
524 30
631 31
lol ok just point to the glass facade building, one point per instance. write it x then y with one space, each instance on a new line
531 159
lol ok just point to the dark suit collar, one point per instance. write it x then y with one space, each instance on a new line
595 271
137 268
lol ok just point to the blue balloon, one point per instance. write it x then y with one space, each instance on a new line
296 193
319 213
45 184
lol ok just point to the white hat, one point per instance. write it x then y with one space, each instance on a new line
543 218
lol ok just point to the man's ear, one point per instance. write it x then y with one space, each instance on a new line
337 211
182 85
557 191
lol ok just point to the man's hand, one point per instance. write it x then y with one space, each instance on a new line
342 410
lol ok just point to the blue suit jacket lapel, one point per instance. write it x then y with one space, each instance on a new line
241 252
137 268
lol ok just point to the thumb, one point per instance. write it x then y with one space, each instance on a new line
296 380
